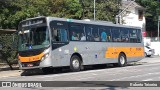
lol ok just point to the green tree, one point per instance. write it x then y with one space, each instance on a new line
65 8
14 11
7 52
105 9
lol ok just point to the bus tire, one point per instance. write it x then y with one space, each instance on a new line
75 63
122 61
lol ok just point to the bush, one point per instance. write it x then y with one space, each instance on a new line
7 51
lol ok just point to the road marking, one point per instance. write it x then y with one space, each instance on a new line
85 78
136 76
75 73
108 71
94 74
116 71
147 80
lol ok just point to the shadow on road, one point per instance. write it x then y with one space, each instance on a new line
67 70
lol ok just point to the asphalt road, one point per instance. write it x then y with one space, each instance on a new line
146 70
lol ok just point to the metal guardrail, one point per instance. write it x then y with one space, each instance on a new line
155 39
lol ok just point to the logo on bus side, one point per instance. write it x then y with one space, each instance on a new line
30 47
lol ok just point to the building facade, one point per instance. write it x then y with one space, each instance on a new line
133 15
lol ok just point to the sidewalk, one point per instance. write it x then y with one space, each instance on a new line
10 73
6 72
153 59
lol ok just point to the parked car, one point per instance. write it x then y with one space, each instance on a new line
148 51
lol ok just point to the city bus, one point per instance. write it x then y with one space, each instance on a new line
51 42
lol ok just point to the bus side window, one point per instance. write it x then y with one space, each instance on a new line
96 37
89 31
139 35
75 36
124 35
76 32
133 36
59 31
108 32
54 34
103 34
116 35
63 35
95 33
83 37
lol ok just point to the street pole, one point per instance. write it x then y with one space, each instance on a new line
94 10
158 27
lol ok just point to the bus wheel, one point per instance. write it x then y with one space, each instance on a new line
122 60
75 63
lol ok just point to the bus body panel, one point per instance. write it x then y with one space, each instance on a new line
95 53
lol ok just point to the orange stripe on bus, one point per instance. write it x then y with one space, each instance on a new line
113 52
31 58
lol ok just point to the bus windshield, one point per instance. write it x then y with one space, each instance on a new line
33 38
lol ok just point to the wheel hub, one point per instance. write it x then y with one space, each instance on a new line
122 60
75 63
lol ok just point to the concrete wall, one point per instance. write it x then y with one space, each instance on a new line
156 47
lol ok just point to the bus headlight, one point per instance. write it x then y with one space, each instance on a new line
46 54
46 51
42 58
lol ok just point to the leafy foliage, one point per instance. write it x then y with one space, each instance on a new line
7 53
13 11
105 9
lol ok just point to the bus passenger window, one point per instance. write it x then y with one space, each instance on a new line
103 36
124 35
139 39
83 37
75 31
116 35
63 34
59 35
96 37
75 36
133 36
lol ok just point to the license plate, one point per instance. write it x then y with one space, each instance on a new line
29 65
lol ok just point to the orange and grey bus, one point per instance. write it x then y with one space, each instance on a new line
46 42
